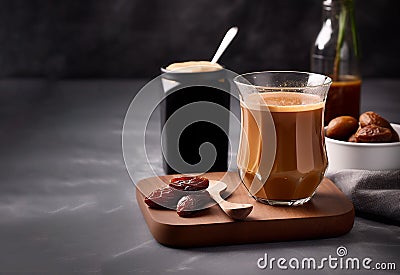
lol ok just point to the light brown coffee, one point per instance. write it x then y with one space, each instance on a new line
300 159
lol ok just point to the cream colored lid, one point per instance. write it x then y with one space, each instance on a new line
194 66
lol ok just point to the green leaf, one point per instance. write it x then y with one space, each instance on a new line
346 10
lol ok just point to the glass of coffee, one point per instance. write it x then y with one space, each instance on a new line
282 157
195 117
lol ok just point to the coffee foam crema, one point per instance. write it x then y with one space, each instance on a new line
194 67
282 101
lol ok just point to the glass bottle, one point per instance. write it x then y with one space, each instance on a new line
336 53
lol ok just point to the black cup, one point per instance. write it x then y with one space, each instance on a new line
195 121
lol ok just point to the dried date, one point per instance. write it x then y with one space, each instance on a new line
372 118
373 133
189 183
352 138
166 197
342 127
191 204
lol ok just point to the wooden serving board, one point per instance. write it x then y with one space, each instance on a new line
328 214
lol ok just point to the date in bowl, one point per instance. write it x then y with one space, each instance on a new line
366 156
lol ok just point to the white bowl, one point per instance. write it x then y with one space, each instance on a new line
367 156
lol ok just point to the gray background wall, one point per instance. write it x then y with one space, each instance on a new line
123 38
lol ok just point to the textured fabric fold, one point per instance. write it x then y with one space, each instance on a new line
375 193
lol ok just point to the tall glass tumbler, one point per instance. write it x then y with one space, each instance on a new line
282 157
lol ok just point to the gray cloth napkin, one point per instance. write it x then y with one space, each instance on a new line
375 194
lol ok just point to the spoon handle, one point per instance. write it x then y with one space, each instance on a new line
237 211
224 44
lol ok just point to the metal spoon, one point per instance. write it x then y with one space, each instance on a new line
237 211
230 34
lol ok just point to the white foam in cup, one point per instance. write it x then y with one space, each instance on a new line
194 67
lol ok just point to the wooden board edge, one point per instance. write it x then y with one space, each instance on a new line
180 236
